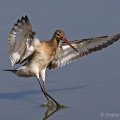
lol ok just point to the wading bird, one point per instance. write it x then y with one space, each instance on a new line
39 55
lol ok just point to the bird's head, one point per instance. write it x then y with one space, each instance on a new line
60 35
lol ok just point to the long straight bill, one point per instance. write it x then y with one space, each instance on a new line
65 40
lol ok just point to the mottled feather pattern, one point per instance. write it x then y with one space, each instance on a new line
20 35
16 28
67 55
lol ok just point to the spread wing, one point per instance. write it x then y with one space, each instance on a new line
65 54
20 39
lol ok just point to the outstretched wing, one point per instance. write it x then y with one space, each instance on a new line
65 54
20 39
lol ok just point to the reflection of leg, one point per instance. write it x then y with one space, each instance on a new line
47 95
47 114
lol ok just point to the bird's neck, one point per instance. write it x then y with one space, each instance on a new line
54 41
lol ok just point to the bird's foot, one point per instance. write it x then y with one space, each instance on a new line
51 104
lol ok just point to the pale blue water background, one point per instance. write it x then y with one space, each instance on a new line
90 86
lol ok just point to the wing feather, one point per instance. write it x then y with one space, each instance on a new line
65 54
20 39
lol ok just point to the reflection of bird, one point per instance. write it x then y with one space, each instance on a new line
50 110
39 55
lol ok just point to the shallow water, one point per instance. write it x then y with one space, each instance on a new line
89 87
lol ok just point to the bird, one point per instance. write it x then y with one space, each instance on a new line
35 55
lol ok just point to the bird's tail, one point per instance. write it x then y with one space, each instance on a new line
11 70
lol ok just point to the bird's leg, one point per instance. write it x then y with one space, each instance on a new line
42 74
46 94
43 90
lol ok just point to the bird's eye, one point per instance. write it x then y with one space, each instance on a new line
58 34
